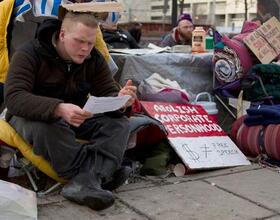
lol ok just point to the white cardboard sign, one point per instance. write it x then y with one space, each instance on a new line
265 41
208 152
200 142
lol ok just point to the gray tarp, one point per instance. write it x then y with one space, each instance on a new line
192 71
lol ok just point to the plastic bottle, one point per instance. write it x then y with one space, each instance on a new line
198 40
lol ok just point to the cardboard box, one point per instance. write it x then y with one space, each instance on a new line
94 7
265 41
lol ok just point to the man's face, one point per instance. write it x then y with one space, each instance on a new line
78 42
185 28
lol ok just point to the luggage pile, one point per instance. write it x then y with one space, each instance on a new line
258 132
247 67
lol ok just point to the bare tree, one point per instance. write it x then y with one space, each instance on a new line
245 2
181 6
246 10
174 12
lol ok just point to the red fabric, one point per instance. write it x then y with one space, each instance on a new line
177 36
241 139
136 107
235 127
253 140
165 95
149 136
241 51
236 43
248 27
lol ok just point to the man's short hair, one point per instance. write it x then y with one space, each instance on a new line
85 18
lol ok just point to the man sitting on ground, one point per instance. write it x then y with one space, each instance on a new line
181 34
48 82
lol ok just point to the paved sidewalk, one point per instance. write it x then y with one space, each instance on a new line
249 192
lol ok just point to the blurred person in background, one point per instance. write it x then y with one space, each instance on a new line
181 34
136 31
114 36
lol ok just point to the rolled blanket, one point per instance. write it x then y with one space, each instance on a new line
231 57
268 111
242 52
268 83
263 115
261 120
227 65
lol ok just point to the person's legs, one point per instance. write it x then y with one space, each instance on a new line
85 189
108 138
56 143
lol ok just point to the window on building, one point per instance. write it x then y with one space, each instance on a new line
159 7
153 18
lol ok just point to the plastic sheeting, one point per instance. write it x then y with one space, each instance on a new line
193 72
16 202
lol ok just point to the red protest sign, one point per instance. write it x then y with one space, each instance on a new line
197 139
183 120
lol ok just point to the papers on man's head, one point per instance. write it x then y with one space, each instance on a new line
97 105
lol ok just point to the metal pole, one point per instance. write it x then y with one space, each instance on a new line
129 15
246 10
214 13
174 12
181 6
165 6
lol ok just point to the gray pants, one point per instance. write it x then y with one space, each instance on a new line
56 142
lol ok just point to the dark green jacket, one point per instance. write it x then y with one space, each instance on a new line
38 79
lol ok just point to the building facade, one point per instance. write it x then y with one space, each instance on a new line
224 13
136 11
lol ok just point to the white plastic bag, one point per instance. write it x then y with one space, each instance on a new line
16 202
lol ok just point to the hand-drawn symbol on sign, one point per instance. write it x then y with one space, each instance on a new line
192 154
206 150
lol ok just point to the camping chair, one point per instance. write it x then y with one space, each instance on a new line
30 161
10 138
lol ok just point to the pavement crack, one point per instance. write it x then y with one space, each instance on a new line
164 182
268 217
51 203
243 197
134 209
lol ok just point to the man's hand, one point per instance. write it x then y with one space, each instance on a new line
129 89
72 114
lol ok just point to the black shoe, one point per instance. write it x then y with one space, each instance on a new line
118 178
82 190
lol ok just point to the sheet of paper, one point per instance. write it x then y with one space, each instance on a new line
97 105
